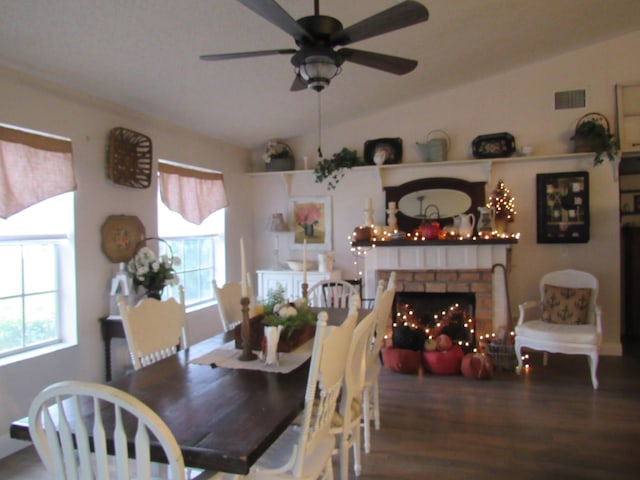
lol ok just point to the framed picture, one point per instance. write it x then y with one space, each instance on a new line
563 207
383 151
311 220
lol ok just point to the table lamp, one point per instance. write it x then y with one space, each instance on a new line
276 225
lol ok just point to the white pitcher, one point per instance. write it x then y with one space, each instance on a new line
325 262
272 337
464 223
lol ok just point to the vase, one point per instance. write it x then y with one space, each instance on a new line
308 230
280 164
155 293
270 344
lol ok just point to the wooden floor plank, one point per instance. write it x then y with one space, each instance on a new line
548 423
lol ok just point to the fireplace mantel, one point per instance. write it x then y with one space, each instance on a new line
454 255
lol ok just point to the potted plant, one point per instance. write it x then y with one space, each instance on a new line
278 156
592 135
333 168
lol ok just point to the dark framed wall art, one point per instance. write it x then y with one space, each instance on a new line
563 207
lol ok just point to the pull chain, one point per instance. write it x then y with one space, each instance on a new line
319 129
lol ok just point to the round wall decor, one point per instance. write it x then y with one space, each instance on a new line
121 234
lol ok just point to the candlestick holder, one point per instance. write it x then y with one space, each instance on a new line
368 217
305 290
245 330
392 220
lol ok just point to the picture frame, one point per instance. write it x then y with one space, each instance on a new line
383 151
316 211
562 206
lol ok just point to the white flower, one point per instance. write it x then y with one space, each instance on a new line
287 311
300 303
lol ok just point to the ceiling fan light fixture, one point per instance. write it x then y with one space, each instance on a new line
318 70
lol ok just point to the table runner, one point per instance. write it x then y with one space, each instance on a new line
227 355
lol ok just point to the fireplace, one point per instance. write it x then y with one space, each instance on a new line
449 313
462 267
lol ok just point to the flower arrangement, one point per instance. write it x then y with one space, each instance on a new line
153 273
291 315
276 149
308 216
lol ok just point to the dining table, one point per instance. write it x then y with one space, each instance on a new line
223 419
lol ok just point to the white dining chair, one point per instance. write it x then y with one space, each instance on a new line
552 324
305 451
228 297
154 329
370 392
70 423
348 418
331 294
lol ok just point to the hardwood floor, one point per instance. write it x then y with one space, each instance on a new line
548 423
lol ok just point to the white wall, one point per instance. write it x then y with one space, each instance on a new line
27 103
521 102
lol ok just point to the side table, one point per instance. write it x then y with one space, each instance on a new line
111 327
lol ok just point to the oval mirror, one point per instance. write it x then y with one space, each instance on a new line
449 202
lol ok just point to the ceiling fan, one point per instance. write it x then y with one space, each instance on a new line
316 60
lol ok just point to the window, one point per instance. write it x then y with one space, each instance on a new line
37 299
201 249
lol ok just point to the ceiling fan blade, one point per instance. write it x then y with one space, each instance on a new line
274 13
298 84
387 63
399 16
260 53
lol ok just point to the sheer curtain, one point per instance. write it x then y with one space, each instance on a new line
33 168
193 193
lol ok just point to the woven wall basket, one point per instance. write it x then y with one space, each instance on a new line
129 158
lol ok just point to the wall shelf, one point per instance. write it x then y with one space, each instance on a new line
379 170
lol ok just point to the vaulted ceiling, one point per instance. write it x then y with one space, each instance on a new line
144 54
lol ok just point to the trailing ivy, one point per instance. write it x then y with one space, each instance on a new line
333 168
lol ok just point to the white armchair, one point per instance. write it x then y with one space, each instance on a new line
566 320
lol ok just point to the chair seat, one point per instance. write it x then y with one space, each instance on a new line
281 451
554 332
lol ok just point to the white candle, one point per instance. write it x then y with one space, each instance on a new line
304 261
243 268
368 204
392 205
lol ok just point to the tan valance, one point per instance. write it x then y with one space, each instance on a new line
193 193
33 167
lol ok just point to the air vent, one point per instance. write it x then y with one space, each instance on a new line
570 99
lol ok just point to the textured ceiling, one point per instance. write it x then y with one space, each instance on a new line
144 54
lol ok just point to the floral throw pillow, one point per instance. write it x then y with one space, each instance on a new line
568 306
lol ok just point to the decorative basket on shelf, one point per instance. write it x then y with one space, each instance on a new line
591 133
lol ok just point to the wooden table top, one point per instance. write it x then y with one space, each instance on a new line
223 419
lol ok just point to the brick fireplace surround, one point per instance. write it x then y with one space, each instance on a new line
478 282
447 268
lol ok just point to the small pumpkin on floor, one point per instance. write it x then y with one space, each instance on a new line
477 365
